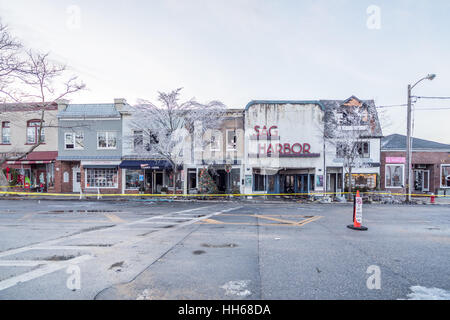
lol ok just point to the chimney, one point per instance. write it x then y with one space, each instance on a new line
120 104
62 104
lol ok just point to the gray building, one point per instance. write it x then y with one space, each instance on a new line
90 146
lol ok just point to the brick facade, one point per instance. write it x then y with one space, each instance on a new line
430 160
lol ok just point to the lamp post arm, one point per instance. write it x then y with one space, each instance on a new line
419 82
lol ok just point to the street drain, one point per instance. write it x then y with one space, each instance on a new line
198 252
226 245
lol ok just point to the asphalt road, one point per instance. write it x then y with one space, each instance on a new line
230 250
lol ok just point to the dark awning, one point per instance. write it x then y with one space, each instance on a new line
145 164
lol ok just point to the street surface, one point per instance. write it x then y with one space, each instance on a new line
221 250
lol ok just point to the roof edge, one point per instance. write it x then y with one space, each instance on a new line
253 102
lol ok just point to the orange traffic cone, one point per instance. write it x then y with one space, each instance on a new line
357 214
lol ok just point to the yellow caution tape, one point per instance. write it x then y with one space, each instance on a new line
212 195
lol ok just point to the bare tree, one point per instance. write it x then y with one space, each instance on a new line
165 128
31 78
348 127
10 64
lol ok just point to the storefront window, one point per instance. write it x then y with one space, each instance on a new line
50 175
362 180
394 175
132 179
6 132
101 178
445 176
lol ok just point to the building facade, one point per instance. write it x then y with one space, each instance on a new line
221 151
19 130
90 147
286 150
143 171
430 165
365 174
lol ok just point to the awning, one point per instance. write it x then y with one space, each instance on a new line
145 164
29 162
100 164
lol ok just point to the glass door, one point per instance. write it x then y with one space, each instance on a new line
426 180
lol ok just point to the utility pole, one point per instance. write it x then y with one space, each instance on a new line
408 148
408 137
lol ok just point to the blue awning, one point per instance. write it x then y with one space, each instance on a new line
145 164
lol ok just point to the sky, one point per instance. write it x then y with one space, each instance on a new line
236 51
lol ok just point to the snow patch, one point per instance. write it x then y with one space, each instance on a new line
423 293
145 295
237 288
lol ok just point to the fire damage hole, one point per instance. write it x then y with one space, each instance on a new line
198 252
225 245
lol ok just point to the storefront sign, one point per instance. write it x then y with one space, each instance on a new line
282 149
395 160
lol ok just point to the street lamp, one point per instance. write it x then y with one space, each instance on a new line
408 137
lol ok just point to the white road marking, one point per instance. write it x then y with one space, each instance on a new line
48 268
22 263
53 266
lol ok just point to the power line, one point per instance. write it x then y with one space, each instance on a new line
392 106
437 98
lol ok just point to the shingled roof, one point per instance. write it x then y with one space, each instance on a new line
398 142
90 111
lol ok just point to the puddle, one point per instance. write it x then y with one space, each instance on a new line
91 245
79 211
117 265
59 258
96 228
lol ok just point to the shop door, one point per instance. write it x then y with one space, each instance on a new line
76 179
289 184
426 180
302 183
272 184
158 182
